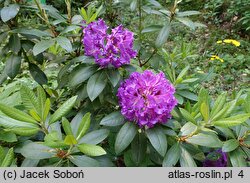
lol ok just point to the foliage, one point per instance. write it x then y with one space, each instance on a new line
59 107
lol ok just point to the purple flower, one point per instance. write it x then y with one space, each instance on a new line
147 98
216 159
108 49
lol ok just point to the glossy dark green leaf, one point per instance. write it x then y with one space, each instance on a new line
14 43
37 151
94 137
113 119
172 156
38 75
125 137
12 66
114 76
186 160
138 148
96 84
81 74
158 140
84 161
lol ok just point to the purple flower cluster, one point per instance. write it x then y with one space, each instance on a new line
115 48
216 159
147 98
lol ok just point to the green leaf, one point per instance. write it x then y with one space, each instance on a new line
155 3
37 151
28 98
232 121
7 136
113 119
16 114
29 163
53 139
9 12
33 32
91 150
34 114
187 13
187 22
163 35
188 95
183 73
188 128
230 145
205 140
7 122
81 74
13 64
41 97
219 103
9 157
14 43
133 5
204 109
246 103
70 140
94 137
237 158
84 126
172 156
139 148
66 126
158 140
63 110
84 161
64 43
25 131
152 28
187 115
3 37
96 84
114 76
42 46
37 74
125 136
46 109
186 159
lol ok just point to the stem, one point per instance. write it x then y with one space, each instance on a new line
45 18
68 3
153 53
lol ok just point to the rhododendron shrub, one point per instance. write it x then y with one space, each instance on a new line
116 83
